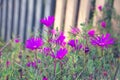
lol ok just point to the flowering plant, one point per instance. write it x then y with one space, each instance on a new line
85 56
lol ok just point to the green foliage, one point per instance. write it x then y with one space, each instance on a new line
98 63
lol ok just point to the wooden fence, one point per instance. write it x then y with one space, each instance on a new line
21 17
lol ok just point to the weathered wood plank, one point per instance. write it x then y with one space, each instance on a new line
115 22
0 16
9 19
99 14
38 16
3 19
70 16
30 13
117 6
59 14
84 11
16 12
22 22
46 14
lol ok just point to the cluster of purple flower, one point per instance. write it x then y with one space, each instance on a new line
75 44
35 43
33 63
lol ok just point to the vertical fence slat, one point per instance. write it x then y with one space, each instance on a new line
6 19
9 19
0 16
59 14
30 13
23 7
16 12
99 14
47 7
115 23
84 11
70 15
12 18
117 6
46 13
3 19
38 16
26 22
33 16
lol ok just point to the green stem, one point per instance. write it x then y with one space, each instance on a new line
116 72
102 52
54 68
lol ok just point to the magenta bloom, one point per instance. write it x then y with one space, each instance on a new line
103 41
75 44
75 30
60 39
7 63
86 50
53 31
91 32
48 21
44 78
33 43
28 64
33 64
100 8
46 50
61 53
16 40
103 24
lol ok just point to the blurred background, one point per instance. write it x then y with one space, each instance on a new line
21 18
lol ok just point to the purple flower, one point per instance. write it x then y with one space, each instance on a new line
44 78
46 50
48 21
60 39
34 65
61 53
100 8
52 31
91 32
0 53
86 50
75 44
28 64
33 43
7 63
75 30
16 40
103 24
53 55
38 61
103 41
